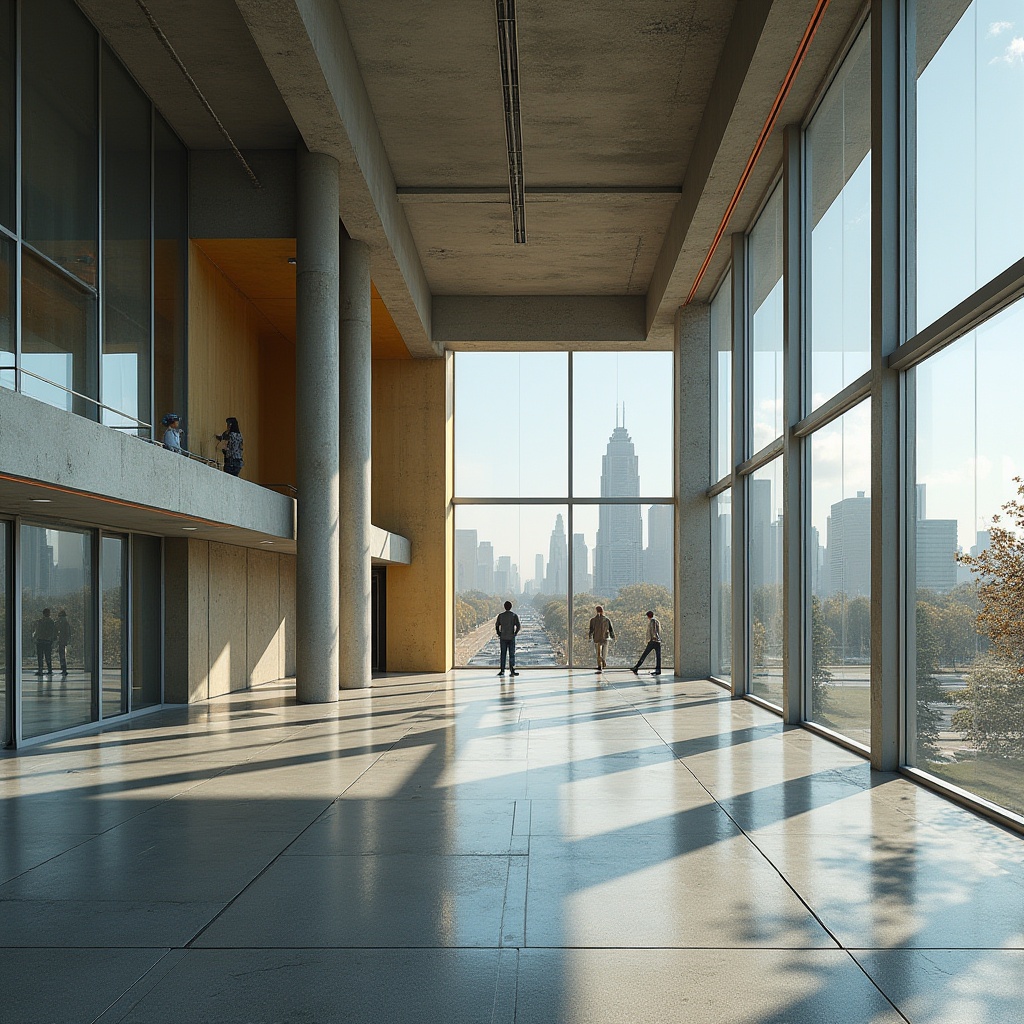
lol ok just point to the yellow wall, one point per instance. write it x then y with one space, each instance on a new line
238 365
412 495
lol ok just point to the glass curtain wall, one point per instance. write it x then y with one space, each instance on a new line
58 642
6 645
721 586
147 621
90 316
965 702
543 517
764 555
839 571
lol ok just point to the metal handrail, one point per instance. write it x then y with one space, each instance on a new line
179 451
290 488
85 398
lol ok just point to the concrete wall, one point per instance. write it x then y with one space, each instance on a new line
412 492
53 446
229 619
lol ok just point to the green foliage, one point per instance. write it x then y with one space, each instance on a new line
991 713
473 608
823 653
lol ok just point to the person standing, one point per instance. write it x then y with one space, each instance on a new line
44 631
507 626
232 438
172 433
63 639
601 631
653 644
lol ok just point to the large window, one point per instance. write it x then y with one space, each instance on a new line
838 557
58 640
764 566
102 323
556 540
721 586
720 315
764 247
968 693
969 97
838 211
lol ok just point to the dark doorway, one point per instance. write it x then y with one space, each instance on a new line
379 609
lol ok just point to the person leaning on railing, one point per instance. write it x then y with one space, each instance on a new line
172 433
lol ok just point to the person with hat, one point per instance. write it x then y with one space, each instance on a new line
172 433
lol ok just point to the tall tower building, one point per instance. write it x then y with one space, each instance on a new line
618 554
582 580
485 567
503 576
658 555
538 574
465 560
556 581
849 547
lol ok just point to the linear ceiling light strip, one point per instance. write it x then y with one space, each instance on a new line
762 140
508 54
166 43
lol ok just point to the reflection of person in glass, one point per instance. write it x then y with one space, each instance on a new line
601 631
507 626
232 438
63 639
653 644
44 632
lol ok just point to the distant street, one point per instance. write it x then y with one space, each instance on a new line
533 648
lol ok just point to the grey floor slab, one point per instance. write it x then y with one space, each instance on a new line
447 849
372 900
348 986
950 986
699 986
71 987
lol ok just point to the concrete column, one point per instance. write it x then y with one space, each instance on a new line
693 508
887 325
316 402
354 449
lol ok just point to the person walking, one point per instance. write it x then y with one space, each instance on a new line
507 626
601 631
172 433
653 644
63 639
232 439
44 631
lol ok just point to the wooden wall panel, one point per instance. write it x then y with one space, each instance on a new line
411 495
223 362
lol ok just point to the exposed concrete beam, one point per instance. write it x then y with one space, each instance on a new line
306 46
551 193
552 321
761 45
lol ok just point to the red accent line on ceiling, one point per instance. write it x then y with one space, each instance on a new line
762 140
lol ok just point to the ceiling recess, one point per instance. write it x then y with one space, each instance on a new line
508 53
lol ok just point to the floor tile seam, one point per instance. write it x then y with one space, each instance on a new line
283 852
167 951
874 984
810 910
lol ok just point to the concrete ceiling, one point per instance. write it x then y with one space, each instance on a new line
638 121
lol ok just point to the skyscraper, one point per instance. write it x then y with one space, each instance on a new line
485 567
503 576
465 560
538 574
618 554
849 547
660 545
582 580
557 580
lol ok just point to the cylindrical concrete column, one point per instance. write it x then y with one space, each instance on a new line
356 399
316 403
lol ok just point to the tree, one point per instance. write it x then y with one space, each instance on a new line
928 693
991 715
823 653
999 573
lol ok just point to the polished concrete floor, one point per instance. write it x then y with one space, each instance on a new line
557 847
